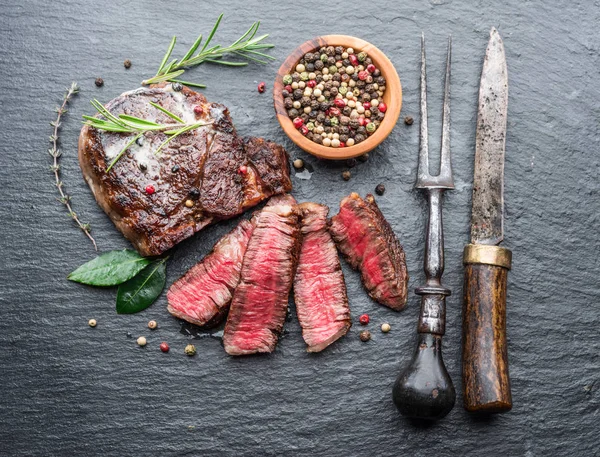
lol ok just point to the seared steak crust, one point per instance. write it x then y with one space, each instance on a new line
368 244
203 294
319 287
202 165
260 301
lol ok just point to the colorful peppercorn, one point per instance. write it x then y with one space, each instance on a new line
346 175
150 189
164 347
141 341
364 336
380 189
189 203
243 169
298 163
152 325
364 319
92 323
408 120
287 79
198 110
261 87
127 64
382 107
385 327
190 350
99 82
298 122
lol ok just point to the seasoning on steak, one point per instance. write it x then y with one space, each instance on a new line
203 294
211 166
319 287
368 244
260 301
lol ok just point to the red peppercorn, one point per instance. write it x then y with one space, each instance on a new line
289 88
371 68
382 107
342 144
353 59
339 102
304 130
362 75
298 122
362 121
150 189
261 87
198 110
312 83
364 319
333 111
367 105
243 169
164 347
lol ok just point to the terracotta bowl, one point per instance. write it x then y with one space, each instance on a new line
392 97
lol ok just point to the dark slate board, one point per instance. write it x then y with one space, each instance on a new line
72 390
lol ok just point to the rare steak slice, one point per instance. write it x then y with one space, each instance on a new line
210 168
368 243
203 294
260 301
319 287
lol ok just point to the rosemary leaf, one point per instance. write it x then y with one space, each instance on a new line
193 49
167 55
160 78
167 112
187 83
212 32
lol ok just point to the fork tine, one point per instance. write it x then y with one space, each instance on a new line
445 176
423 169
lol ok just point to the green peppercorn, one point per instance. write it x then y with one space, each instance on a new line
310 126
362 56
323 58
333 70
287 79
334 121
304 76
371 127
342 90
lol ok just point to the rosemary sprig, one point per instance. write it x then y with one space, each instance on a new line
56 153
136 126
248 46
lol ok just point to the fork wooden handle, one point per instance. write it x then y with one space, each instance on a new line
486 382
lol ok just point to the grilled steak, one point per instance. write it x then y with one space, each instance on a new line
260 301
319 287
211 165
203 294
368 243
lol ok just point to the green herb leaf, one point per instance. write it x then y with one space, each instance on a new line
141 291
110 268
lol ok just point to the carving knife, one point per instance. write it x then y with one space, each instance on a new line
486 383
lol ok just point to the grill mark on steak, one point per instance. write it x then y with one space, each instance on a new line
368 244
319 287
260 301
206 159
202 296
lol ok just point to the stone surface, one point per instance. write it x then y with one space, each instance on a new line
69 389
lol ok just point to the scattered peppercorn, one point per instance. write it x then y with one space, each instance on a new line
175 169
380 189
346 175
298 163
364 319
152 325
408 120
332 95
190 350
261 87
127 64
141 341
365 336
164 347
176 86
150 189
385 327
198 110
363 158
99 82
92 322
189 203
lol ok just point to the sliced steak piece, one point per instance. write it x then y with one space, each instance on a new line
260 301
203 294
210 165
319 287
368 244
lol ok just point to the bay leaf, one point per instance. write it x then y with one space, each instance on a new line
110 269
142 290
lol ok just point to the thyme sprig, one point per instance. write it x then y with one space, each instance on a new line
56 153
136 126
248 46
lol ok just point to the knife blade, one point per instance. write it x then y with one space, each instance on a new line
487 217
486 382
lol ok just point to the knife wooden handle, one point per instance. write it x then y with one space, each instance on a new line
486 383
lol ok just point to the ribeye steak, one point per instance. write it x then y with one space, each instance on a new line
212 166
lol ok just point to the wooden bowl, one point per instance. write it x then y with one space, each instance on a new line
392 97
